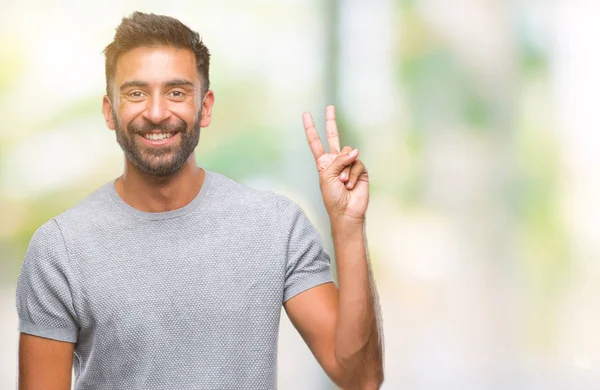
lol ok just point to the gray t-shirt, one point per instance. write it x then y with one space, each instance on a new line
183 299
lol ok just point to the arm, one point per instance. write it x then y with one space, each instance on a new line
44 363
47 318
358 338
342 329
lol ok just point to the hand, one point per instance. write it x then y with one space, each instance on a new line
343 178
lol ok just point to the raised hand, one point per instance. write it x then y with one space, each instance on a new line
343 178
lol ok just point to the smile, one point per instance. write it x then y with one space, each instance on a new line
158 136
158 139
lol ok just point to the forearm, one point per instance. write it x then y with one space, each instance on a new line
358 342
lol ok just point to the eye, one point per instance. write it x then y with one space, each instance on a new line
177 94
135 94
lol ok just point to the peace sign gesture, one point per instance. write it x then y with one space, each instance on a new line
343 178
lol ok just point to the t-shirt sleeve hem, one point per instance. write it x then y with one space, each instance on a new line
59 334
306 283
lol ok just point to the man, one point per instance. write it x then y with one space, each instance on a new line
173 276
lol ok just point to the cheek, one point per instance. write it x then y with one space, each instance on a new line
188 114
127 115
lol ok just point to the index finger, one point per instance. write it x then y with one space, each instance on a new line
314 141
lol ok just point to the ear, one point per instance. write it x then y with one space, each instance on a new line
207 106
107 111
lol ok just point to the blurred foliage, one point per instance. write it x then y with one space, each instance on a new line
240 157
545 261
443 95
439 88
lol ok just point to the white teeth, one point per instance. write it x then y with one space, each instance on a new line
158 137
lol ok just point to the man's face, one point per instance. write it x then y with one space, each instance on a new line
157 108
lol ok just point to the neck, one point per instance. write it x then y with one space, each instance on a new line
158 194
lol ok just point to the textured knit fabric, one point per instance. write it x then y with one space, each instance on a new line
184 299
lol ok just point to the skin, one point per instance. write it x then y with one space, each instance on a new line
44 363
160 87
342 327
156 103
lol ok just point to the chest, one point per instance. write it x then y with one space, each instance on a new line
200 279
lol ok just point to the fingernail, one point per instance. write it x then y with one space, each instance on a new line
344 176
349 184
354 152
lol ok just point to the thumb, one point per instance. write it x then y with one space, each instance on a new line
341 162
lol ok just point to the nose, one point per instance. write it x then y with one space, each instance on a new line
157 110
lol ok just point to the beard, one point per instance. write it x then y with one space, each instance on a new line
163 160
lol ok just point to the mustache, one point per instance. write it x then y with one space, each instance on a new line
148 127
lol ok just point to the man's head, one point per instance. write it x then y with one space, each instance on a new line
151 30
158 93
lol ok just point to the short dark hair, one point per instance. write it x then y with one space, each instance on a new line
149 30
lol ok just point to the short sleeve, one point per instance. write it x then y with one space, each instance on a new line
44 300
307 262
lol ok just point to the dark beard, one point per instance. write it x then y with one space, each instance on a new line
156 161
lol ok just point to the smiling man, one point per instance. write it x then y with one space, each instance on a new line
173 276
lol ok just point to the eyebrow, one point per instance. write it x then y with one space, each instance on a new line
143 84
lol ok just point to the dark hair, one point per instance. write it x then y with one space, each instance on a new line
141 29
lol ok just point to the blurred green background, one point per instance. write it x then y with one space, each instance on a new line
476 120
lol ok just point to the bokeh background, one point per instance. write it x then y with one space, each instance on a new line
477 120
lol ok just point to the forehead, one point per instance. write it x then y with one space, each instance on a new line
156 65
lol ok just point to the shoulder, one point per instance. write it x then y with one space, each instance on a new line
231 191
89 211
233 194
46 249
277 206
47 237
